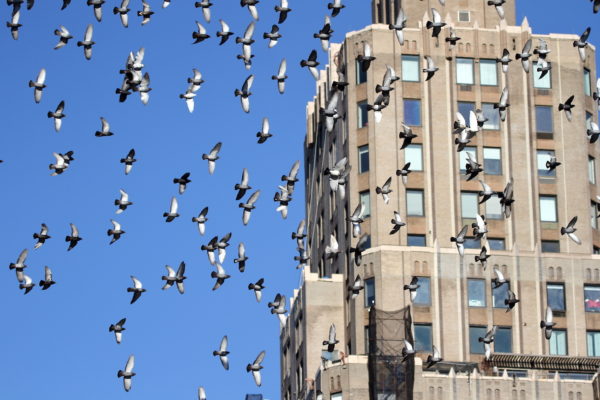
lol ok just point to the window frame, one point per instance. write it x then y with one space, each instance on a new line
555 334
556 285
410 58
592 170
361 165
500 329
587 82
414 236
540 83
465 61
478 331
370 283
362 113
367 204
465 194
469 292
548 197
488 62
413 165
422 280
487 160
595 288
541 133
595 353
361 75
417 346
553 242
490 241
406 101
422 194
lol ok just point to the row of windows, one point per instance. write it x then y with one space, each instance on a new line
412 113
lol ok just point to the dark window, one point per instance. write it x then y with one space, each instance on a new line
543 122
591 295
492 115
503 340
369 292
363 159
476 290
496 244
362 114
416 240
423 337
361 74
423 292
550 246
475 332
412 112
472 243
492 161
499 295
556 296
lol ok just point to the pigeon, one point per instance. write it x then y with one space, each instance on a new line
542 50
299 235
201 34
593 132
189 97
292 177
544 67
463 139
582 43
47 282
356 287
26 283
59 166
65 4
406 134
408 350
434 358
378 106
128 373
596 6
335 7
123 202
570 230
499 280
264 134
479 227
14 25
278 307
251 8
175 277
412 287
212 157
122 11
498 4
245 93
105 131
360 246
511 301
97 5
273 36
224 33
404 172
38 85
283 11
74 238
63 37
145 13
303 258
205 5
87 42
452 39
482 257
460 240
223 353
504 60
333 248
248 33
396 223
284 198
506 199
386 85
210 249
596 94
330 112
385 190
124 90
243 186
115 232
324 34
552 163
137 289
487 340
281 76
201 393
437 24
249 206
399 25
255 367
201 220
246 56
220 275
366 57
503 105
128 161
567 107
196 81
331 340
356 219
431 68
41 237
58 115
337 174
242 258
311 63
182 182
472 168
118 329
524 55
548 324
19 266
257 287
172 214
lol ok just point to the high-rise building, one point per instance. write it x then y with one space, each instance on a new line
457 301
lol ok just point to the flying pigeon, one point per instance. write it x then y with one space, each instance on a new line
356 219
63 37
38 85
47 282
137 289
567 107
224 33
115 232
265 133
358 249
19 266
311 63
460 240
406 134
503 105
506 199
412 288
87 42
273 36
582 43
251 8
201 34
123 12
58 115
356 287
172 214
452 39
366 57
118 329
479 226
257 287
281 76
242 258
145 13
408 350
331 339
396 223
399 25
511 301
542 50
182 182
26 284
243 186
14 25
570 230
498 4
487 340
128 161
283 11
403 172
434 358
524 55
333 248
59 166
504 60
201 220
220 275
223 353
105 131
499 280
41 237
255 367
544 67
431 68
205 4
548 324
122 202
212 157
249 206
97 5
175 277
472 168
482 257
593 132
335 7
552 163
437 24
74 238
128 373
245 93
385 190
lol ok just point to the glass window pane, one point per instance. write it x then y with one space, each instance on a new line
475 332
464 108
336 396
556 296
410 68
362 114
543 119
550 246
476 290
592 170
462 157
558 342
587 85
488 72
423 292
499 295
593 343
464 71
496 244
369 292
361 74
548 208
414 203
412 112
471 243
545 82
594 214
542 157
423 338
468 204
363 159
503 340
416 240
492 161
365 199
493 209
591 295
492 115
413 153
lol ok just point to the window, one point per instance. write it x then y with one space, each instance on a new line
362 114
423 338
542 157
593 343
592 170
369 292
336 396
416 240
476 290
493 209
464 71
423 297
475 332
589 118
413 153
558 342
543 122
488 72
587 85
496 244
464 16
492 115
492 161
503 340
471 243
462 157
595 250
593 214
410 68
366 244
556 296
468 204
550 246
545 82
361 74
465 108
548 208
499 295
412 112
365 199
363 159
591 295
414 203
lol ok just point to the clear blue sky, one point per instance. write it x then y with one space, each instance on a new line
56 344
